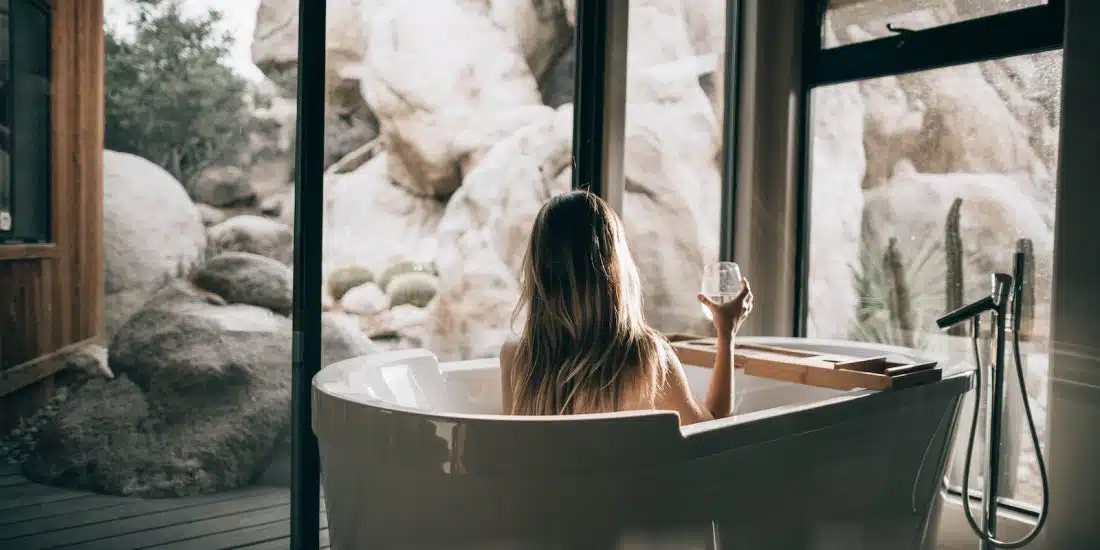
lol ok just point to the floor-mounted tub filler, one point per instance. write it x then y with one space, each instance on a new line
415 454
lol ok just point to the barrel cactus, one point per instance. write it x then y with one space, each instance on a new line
346 278
414 288
401 268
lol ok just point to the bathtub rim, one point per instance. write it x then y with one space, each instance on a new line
872 399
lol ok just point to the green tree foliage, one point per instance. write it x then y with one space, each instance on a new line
169 97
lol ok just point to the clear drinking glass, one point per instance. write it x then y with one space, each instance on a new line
721 283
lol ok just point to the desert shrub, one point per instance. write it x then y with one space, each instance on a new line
415 288
169 96
346 278
401 268
923 274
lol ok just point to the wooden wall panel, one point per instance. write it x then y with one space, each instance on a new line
51 297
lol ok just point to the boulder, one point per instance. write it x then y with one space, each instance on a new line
255 234
222 186
275 38
152 233
372 222
88 362
349 122
487 224
211 215
246 278
539 27
558 83
968 118
669 115
893 126
706 28
404 323
95 442
423 100
200 403
365 299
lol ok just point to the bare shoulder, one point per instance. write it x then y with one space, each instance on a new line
675 393
507 356
507 351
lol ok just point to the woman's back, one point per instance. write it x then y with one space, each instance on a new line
585 346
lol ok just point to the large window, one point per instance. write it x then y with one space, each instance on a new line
24 121
877 17
922 184
672 148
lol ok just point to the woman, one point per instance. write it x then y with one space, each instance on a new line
585 346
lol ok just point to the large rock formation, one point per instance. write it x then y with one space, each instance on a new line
487 223
152 233
373 222
424 100
200 402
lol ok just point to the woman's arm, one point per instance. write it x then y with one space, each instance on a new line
719 399
727 320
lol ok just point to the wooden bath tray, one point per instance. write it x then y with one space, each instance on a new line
840 372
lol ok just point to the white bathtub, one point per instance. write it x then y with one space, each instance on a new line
414 456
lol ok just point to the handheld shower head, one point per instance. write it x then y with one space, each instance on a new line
998 297
1002 287
1018 265
972 309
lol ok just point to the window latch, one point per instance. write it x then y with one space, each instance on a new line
899 30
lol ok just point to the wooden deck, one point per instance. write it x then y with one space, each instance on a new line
37 517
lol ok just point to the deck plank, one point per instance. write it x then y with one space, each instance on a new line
112 509
188 531
40 517
22 496
43 511
282 543
12 479
143 522
277 532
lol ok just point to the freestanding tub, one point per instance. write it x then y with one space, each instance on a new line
415 454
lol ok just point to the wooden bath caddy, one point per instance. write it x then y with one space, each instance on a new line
840 372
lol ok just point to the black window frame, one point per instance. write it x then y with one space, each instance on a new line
1006 34
34 196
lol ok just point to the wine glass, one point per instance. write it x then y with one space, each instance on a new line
721 283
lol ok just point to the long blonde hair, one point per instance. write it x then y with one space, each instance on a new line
585 346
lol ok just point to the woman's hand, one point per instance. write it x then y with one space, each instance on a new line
727 317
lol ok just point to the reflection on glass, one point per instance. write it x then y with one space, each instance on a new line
862 20
923 184
672 202
5 117
30 121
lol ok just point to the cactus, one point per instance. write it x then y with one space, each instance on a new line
415 288
900 308
401 268
346 278
953 250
